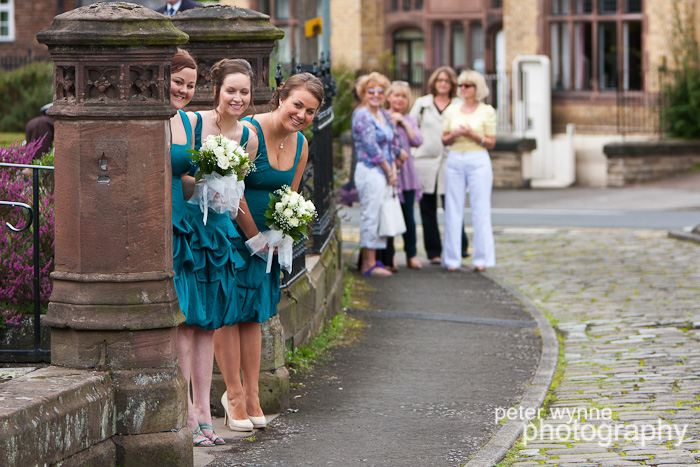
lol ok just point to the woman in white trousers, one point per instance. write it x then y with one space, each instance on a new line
469 130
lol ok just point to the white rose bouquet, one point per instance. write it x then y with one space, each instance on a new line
288 215
222 164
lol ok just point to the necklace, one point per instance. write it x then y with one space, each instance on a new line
285 139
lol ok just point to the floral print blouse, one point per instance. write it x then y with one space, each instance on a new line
374 142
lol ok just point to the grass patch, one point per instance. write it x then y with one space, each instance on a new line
343 329
8 138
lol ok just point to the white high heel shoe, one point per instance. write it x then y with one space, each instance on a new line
258 422
232 424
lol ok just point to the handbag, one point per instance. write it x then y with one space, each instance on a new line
391 221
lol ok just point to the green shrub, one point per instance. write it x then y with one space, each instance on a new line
682 93
24 91
343 102
682 114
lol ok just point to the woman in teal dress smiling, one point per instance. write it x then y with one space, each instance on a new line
215 258
183 78
282 155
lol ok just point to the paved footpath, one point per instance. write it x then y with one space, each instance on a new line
627 306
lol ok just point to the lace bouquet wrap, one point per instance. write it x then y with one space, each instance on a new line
222 165
288 215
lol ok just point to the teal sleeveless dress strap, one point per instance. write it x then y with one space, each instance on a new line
183 261
215 261
259 292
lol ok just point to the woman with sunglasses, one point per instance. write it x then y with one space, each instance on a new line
376 146
430 157
469 129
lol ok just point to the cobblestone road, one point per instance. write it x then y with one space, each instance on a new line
627 306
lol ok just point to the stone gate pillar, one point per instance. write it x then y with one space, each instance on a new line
218 32
113 306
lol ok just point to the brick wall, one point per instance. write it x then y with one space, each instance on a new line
345 33
659 15
587 118
30 18
372 39
357 32
521 28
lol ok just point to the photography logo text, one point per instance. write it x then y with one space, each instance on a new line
564 424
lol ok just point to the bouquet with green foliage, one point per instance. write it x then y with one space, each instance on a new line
288 215
222 165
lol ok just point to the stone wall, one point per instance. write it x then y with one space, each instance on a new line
630 163
507 159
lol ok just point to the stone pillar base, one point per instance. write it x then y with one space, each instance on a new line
102 454
274 390
163 449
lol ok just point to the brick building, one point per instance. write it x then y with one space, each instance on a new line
21 20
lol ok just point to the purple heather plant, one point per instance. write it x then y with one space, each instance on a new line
17 248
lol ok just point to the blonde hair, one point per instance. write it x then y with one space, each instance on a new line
399 87
473 76
364 81
451 75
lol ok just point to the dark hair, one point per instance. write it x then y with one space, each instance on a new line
221 70
181 60
450 74
301 80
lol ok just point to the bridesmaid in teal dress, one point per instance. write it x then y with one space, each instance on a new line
183 78
215 258
281 160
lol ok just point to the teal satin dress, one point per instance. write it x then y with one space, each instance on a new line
183 261
215 259
259 292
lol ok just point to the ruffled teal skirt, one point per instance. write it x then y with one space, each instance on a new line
183 261
215 265
258 291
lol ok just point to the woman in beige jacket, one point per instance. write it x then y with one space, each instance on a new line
430 157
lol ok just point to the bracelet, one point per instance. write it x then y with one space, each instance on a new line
483 140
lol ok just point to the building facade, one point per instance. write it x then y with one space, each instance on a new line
21 20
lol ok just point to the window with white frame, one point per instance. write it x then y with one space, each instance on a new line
595 45
7 21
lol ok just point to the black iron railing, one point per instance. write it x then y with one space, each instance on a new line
36 354
12 62
640 110
317 181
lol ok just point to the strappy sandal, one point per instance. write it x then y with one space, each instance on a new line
378 266
214 439
201 443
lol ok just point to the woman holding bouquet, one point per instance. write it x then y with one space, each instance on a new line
183 78
215 259
282 156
